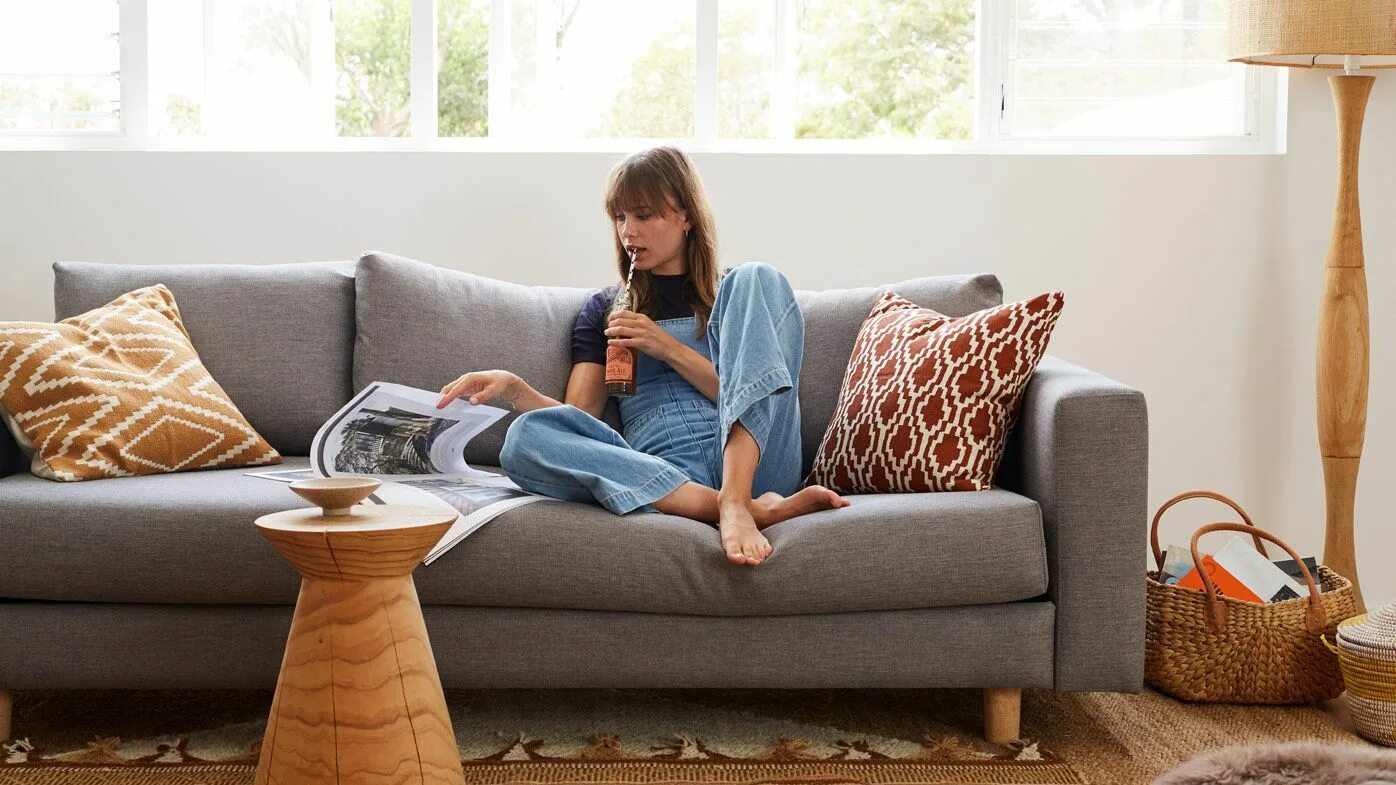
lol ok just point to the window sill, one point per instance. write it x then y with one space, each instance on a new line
1232 145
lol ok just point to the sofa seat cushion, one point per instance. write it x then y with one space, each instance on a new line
189 538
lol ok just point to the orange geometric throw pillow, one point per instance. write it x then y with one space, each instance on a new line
119 391
928 400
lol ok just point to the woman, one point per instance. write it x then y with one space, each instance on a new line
713 431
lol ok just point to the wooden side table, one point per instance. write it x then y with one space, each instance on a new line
359 698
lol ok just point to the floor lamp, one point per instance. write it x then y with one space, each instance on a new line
1354 35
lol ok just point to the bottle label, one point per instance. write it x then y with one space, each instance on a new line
620 364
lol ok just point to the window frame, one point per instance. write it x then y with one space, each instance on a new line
1266 90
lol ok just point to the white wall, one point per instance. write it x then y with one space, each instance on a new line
1193 278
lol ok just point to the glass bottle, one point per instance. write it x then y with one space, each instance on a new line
621 360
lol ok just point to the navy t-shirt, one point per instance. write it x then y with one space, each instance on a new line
588 334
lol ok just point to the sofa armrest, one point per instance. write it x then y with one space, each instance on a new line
1080 449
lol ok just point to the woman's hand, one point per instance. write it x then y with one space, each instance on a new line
481 386
638 331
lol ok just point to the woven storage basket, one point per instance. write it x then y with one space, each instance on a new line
1366 649
1202 646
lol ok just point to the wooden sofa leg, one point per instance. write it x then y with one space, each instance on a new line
1002 709
7 706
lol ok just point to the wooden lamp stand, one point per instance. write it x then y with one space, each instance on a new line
1356 36
1342 367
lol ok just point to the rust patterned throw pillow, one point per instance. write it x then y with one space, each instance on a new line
928 400
119 391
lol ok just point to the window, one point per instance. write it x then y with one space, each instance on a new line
766 74
60 66
1123 68
583 69
462 80
884 69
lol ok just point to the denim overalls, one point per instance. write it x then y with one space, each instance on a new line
672 433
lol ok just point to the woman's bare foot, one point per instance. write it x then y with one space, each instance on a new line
741 540
773 508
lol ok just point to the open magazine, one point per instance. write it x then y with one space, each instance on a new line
396 434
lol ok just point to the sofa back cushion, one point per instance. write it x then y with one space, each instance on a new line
832 320
277 338
119 391
423 326
929 400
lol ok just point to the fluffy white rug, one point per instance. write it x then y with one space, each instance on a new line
1297 763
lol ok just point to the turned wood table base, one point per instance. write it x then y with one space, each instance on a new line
359 699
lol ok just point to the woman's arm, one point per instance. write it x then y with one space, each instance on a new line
529 399
586 388
483 386
694 367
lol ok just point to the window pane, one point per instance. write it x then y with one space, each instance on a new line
1209 11
526 65
176 67
746 68
463 50
1131 68
269 71
60 63
372 67
1103 43
884 69
625 68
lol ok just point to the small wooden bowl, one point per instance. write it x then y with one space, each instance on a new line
336 495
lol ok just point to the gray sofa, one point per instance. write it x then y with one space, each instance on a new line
162 581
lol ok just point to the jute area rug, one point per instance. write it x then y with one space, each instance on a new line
753 737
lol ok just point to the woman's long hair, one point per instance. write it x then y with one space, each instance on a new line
664 179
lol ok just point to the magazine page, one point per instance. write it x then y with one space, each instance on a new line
394 432
476 503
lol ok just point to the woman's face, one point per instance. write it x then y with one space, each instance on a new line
656 238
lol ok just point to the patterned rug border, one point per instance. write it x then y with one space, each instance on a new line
890 762
606 750
998 764
873 772
866 771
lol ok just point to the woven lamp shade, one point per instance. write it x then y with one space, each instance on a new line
1312 33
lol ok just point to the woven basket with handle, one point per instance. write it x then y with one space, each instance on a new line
1202 646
